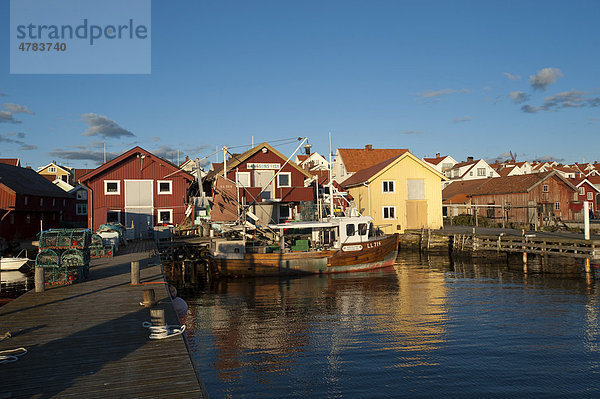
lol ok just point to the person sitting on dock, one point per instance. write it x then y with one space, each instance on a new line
179 304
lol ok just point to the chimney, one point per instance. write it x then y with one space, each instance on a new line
469 159
369 147
437 154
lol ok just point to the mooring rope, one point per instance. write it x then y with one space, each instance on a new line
162 332
11 355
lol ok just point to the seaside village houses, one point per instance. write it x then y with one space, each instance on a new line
260 178
137 189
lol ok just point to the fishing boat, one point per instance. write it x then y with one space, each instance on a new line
334 245
13 263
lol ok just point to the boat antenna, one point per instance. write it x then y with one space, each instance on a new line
330 179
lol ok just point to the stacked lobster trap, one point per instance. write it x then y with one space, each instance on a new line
100 250
64 255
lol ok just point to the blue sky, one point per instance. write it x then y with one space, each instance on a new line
464 78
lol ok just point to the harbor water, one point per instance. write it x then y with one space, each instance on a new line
426 327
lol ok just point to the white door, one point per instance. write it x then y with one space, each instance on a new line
139 207
261 179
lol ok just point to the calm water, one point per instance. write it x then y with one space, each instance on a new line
423 328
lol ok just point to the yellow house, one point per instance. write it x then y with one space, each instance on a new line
54 171
401 193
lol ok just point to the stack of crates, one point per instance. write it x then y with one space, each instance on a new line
98 249
65 255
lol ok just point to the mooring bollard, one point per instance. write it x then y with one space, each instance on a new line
157 317
39 279
135 272
149 297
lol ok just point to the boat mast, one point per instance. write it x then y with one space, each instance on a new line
330 180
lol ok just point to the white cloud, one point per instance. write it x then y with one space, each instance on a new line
544 78
415 132
518 96
105 127
431 94
7 117
463 119
511 76
16 108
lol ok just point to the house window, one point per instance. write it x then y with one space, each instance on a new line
545 188
26 200
581 191
28 218
165 216
113 216
557 206
53 201
243 179
41 202
491 173
284 179
52 169
480 171
455 172
82 194
389 212
284 212
590 196
446 165
471 173
388 186
350 230
165 187
112 187
64 178
81 209
11 218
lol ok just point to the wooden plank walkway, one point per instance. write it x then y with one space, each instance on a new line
87 340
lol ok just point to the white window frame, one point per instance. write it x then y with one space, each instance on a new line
158 182
78 209
383 208
590 196
117 211
118 192
82 195
545 188
289 175
52 169
557 206
388 191
240 174
581 191
481 172
159 220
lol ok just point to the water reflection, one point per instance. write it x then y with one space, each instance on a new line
14 283
426 326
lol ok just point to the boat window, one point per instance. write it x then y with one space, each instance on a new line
362 229
350 230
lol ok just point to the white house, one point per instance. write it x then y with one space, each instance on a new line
471 170
441 163
314 161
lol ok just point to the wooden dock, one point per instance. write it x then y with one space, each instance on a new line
87 340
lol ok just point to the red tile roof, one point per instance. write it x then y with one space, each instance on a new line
357 159
461 187
516 184
79 173
435 161
10 161
302 158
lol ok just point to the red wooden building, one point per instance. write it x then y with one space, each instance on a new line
263 179
29 202
535 199
587 191
137 189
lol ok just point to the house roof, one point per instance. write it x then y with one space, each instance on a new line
580 182
457 199
364 175
517 184
302 158
435 161
64 168
27 181
79 173
11 161
461 187
356 159
322 175
124 156
237 159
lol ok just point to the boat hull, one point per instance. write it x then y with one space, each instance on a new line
12 263
350 258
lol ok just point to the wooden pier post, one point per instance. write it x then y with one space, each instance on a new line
157 317
135 272
39 279
149 297
588 268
